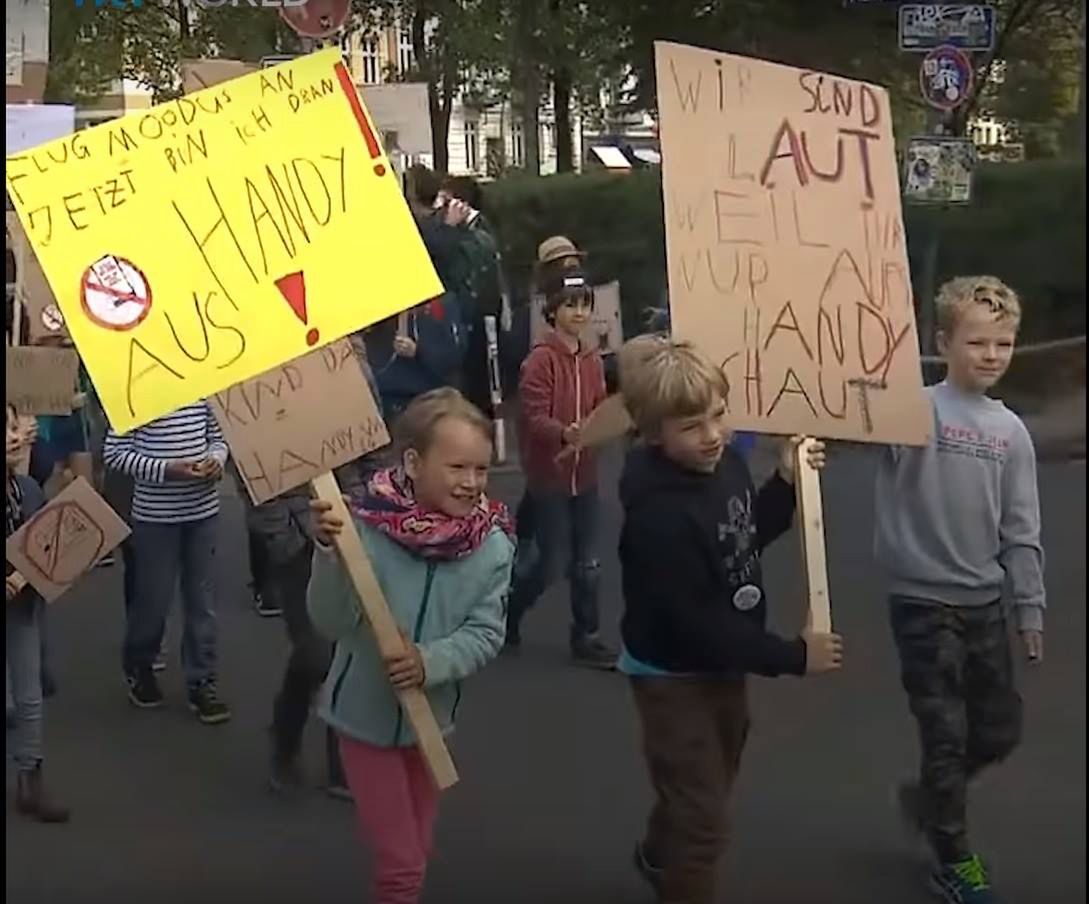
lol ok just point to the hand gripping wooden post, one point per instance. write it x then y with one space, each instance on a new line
376 610
807 488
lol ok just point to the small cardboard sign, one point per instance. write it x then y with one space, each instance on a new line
41 380
200 74
609 421
32 291
604 329
65 539
299 420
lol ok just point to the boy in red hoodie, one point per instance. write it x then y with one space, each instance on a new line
561 383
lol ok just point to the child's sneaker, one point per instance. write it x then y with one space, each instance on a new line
650 872
963 882
338 790
266 608
204 701
592 653
144 690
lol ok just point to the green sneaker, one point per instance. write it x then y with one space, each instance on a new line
963 882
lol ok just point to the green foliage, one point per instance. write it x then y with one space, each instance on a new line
1026 226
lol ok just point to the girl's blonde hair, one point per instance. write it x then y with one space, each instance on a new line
661 378
963 292
415 428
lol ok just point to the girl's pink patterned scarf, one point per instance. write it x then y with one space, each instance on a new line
388 504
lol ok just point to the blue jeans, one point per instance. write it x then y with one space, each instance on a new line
165 554
25 671
565 528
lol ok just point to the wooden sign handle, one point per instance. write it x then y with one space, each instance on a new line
387 634
17 580
807 489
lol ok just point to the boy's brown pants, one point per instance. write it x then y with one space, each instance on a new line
694 730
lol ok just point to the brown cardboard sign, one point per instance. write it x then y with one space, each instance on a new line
786 247
32 290
609 421
200 74
41 380
65 539
299 420
604 329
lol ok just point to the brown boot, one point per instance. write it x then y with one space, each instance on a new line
32 800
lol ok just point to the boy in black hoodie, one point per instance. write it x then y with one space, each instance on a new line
694 608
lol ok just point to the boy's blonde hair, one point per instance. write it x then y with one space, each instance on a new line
962 292
415 428
661 378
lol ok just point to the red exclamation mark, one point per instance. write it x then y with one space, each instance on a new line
360 117
293 288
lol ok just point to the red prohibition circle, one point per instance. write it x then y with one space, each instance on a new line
89 273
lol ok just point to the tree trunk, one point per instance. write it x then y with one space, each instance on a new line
530 85
561 101
440 115
1080 125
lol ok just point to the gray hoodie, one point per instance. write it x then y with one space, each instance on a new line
959 517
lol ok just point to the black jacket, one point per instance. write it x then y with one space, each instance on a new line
690 557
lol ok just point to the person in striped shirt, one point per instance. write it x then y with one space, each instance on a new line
176 463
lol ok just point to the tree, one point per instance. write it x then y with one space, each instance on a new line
92 46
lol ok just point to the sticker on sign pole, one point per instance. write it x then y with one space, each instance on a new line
115 294
946 77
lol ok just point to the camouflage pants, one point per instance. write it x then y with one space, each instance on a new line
957 669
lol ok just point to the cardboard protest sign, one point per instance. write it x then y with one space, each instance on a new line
65 539
199 74
785 245
209 239
299 420
41 380
609 421
32 290
604 329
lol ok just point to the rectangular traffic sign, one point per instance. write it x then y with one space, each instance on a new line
967 26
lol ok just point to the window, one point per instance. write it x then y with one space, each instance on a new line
472 146
371 69
405 57
517 145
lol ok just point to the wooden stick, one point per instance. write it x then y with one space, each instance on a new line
18 580
807 488
373 604
495 387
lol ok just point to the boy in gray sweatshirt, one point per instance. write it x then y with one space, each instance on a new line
957 520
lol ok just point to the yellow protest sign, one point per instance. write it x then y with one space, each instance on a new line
209 239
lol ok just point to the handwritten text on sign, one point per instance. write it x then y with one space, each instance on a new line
299 420
785 241
212 238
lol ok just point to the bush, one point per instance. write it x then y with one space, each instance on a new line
1026 225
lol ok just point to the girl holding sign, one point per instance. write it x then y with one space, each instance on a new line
442 552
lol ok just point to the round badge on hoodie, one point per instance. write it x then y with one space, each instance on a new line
747 597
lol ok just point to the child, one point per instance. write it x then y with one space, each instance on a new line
555 254
562 382
693 623
283 527
442 553
23 617
176 462
956 519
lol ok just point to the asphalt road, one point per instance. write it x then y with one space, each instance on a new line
553 792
